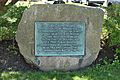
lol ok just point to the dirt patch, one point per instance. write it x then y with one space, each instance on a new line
108 54
11 59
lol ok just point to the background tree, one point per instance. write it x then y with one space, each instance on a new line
3 2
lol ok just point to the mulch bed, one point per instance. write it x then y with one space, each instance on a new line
11 59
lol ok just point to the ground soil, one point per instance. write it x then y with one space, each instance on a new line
11 59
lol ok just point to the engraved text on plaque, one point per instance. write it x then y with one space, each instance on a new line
59 38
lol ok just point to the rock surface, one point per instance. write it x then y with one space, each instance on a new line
93 18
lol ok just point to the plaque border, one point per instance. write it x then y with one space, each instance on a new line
64 55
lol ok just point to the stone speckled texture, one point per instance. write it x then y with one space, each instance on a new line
93 17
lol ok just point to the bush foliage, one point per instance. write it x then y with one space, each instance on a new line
9 22
112 25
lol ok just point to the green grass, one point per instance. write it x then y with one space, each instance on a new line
104 72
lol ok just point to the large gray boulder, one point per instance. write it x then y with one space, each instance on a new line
93 18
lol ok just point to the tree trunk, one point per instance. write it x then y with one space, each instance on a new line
13 1
3 2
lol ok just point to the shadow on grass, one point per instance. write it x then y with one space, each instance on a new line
104 72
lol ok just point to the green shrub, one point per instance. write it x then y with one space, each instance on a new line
111 31
9 22
112 25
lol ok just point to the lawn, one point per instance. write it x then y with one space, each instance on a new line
98 72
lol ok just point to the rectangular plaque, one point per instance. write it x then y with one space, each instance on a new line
59 38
